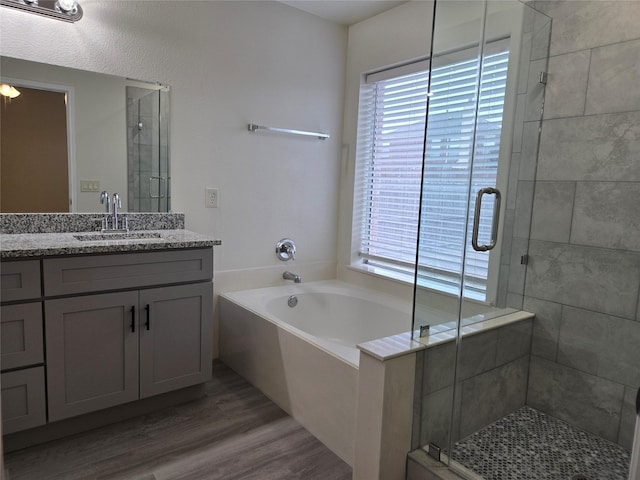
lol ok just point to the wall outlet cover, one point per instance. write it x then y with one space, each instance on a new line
211 197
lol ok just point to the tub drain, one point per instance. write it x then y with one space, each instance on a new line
292 301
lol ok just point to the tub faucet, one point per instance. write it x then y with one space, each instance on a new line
292 276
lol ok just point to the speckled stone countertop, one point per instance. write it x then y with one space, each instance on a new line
84 222
22 245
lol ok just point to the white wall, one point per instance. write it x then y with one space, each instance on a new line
228 64
393 37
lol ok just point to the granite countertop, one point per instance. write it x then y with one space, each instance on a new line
48 244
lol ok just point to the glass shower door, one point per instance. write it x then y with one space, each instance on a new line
444 213
494 340
475 212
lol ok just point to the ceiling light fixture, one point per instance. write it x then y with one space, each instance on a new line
65 10
9 91
67 5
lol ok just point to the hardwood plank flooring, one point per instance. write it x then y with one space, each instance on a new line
234 432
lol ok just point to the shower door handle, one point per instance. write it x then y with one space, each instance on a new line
476 219
161 193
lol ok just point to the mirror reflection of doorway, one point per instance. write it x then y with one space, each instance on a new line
33 127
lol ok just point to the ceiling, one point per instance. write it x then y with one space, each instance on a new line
345 12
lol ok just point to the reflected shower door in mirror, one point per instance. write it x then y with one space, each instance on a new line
148 149
99 141
480 159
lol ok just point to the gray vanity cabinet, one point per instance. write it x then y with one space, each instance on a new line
86 327
106 349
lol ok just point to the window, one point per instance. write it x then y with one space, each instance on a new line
390 157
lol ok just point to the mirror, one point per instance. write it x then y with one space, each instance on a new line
107 133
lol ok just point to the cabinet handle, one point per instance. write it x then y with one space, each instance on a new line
133 319
148 322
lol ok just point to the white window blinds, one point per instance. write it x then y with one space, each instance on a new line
390 156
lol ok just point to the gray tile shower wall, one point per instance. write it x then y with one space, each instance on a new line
583 277
598 279
590 148
493 370
590 402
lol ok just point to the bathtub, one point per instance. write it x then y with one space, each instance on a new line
304 357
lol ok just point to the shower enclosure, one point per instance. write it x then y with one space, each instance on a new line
486 98
147 148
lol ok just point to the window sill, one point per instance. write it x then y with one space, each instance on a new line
407 279
382 273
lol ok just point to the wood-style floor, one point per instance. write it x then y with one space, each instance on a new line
234 432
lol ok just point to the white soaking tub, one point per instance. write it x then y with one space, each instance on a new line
304 357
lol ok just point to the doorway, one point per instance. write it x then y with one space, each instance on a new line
34 152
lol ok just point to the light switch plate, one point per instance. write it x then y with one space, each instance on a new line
89 186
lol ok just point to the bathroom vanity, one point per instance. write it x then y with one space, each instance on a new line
92 323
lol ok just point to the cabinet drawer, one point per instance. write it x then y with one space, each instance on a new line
21 335
64 276
20 280
23 399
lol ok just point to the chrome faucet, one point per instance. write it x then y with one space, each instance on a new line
117 203
106 201
292 276
111 221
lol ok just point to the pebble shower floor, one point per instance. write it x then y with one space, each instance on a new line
529 445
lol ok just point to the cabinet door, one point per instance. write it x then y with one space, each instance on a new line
176 336
92 353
